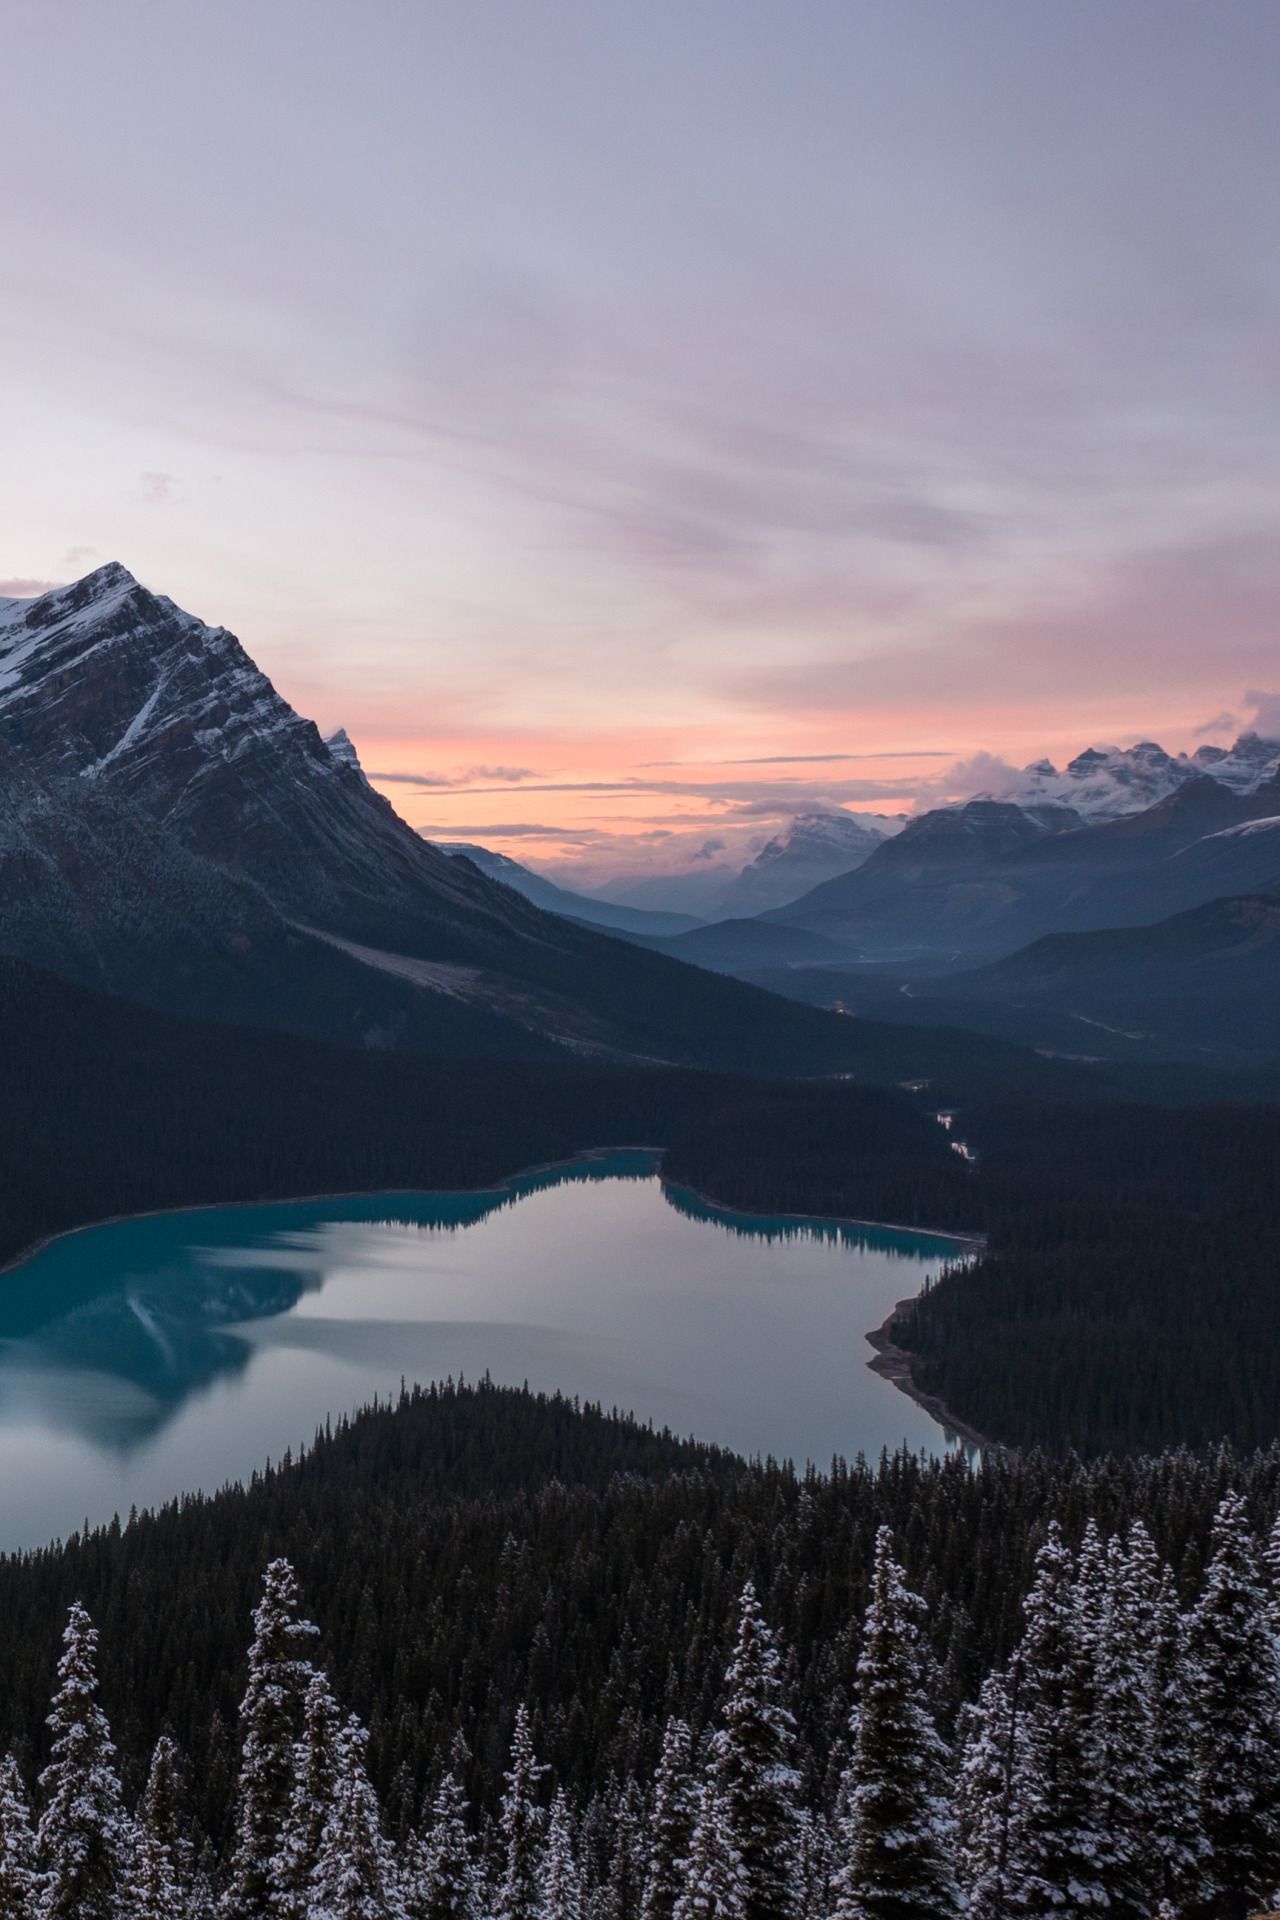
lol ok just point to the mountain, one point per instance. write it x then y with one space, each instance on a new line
562 900
815 847
988 877
108 682
1103 783
1201 983
941 880
190 840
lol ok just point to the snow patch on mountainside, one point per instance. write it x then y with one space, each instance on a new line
1246 827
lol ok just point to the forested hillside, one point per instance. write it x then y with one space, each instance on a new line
1128 1298
598 1672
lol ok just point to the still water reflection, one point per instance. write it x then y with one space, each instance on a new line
176 1352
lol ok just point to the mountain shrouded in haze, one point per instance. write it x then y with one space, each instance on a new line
574 906
175 831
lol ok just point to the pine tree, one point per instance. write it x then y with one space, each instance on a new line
1123 1707
1237 1707
714 1881
270 1713
440 1878
623 1890
164 1866
561 1884
1176 1837
896 1840
355 1875
671 1816
84 1835
311 1800
984 1795
1054 1847
18 1877
520 1824
757 1780
814 1864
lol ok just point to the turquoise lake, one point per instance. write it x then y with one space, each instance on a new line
176 1352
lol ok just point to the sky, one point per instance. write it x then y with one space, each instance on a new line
638 424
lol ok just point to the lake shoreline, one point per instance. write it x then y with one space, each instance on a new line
974 1241
889 1360
894 1363
503 1185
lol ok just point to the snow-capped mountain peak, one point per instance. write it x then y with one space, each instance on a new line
815 847
1106 782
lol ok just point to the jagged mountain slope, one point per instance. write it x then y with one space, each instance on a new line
1104 783
110 694
109 682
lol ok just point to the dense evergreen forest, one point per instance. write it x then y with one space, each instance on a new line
593 1671
1129 1297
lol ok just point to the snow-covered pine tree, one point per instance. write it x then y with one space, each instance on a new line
164 1861
1237 1711
520 1824
714 1882
85 1834
984 1795
895 1844
753 1757
1176 1838
814 1864
355 1875
1271 1566
270 1715
1122 1702
440 1876
623 1889
315 1781
561 1883
1054 1847
672 1811
18 1878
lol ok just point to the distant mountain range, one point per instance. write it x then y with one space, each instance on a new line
987 877
815 846
1203 985
172 830
1104 782
562 900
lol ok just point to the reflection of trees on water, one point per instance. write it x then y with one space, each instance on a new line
109 1332
895 1243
